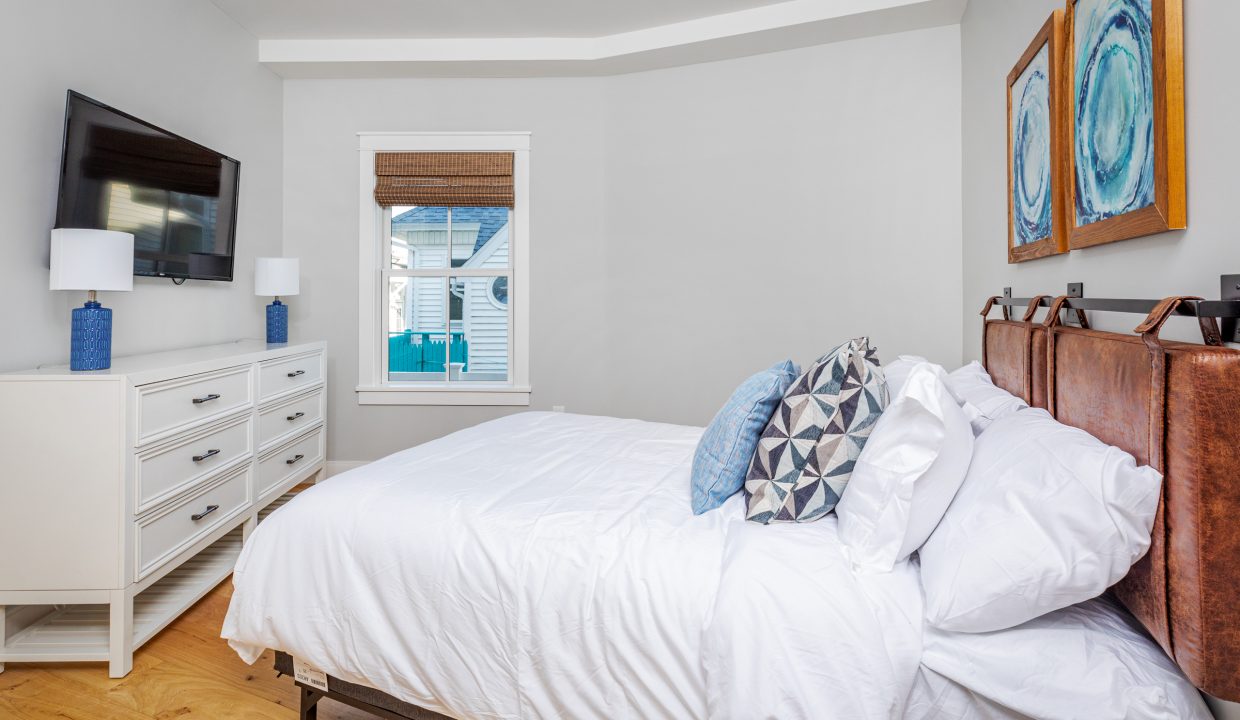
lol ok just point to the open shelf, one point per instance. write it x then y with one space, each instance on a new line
276 504
80 632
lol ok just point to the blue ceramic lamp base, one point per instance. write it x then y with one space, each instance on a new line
277 322
91 342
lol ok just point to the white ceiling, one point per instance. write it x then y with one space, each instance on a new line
319 19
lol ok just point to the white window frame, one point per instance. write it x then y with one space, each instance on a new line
375 256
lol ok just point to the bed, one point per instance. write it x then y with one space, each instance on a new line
559 574
545 564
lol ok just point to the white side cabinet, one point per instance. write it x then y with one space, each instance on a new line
125 494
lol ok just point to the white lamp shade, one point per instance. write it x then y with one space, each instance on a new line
277 276
91 260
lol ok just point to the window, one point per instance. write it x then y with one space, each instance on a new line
444 264
499 291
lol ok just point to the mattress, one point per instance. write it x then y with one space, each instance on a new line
548 565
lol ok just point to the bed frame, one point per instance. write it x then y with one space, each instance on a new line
375 702
1173 405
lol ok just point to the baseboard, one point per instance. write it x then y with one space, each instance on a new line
335 467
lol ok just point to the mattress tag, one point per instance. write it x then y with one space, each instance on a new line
307 674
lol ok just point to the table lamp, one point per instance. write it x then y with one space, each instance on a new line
91 260
276 277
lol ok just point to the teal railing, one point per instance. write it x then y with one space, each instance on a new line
425 352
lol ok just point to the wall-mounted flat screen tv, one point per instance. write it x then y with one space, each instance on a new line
178 198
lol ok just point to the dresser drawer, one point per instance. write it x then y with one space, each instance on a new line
289 418
174 406
284 376
281 465
165 471
166 534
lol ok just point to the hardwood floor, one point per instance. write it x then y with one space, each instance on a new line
186 672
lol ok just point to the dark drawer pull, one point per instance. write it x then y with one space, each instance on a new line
294 416
207 454
198 516
209 398
294 459
296 373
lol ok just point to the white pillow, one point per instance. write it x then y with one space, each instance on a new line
907 473
1048 516
983 402
1087 661
896 372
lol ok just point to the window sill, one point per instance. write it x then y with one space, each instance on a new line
398 395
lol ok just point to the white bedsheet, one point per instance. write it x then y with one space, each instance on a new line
935 697
548 565
1090 660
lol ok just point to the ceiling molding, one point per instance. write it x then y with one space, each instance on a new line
787 25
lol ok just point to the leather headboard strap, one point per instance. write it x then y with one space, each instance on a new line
1157 433
1050 323
1149 329
1030 311
1034 304
990 303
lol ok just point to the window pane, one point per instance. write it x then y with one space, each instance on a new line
417 343
420 237
480 237
479 318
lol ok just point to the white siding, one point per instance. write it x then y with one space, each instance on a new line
428 293
486 323
464 237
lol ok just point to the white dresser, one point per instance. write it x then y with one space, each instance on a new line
125 494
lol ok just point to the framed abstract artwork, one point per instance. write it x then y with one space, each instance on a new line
1037 148
1125 75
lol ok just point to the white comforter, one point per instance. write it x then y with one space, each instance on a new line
548 565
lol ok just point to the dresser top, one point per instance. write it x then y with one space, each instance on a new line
152 367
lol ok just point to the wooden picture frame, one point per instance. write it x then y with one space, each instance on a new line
1167 200
1046 233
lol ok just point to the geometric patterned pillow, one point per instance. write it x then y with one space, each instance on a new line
807 452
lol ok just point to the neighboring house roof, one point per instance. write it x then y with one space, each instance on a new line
484 253
489 219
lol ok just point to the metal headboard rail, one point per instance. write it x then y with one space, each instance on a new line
1189 308
1226 309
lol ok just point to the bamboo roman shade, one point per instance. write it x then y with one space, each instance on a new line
454 179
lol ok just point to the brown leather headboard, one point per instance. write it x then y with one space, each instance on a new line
1019 352
1176 407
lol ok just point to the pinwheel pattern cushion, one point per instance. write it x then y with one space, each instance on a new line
807 452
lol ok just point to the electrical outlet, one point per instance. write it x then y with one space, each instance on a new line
557 408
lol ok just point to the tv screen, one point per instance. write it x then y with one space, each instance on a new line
177 198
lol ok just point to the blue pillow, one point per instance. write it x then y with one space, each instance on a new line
723 454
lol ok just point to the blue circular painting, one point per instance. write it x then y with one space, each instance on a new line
1114 108
1031 152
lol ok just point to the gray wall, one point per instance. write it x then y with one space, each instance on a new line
690 226
181 64
993 35
775 206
